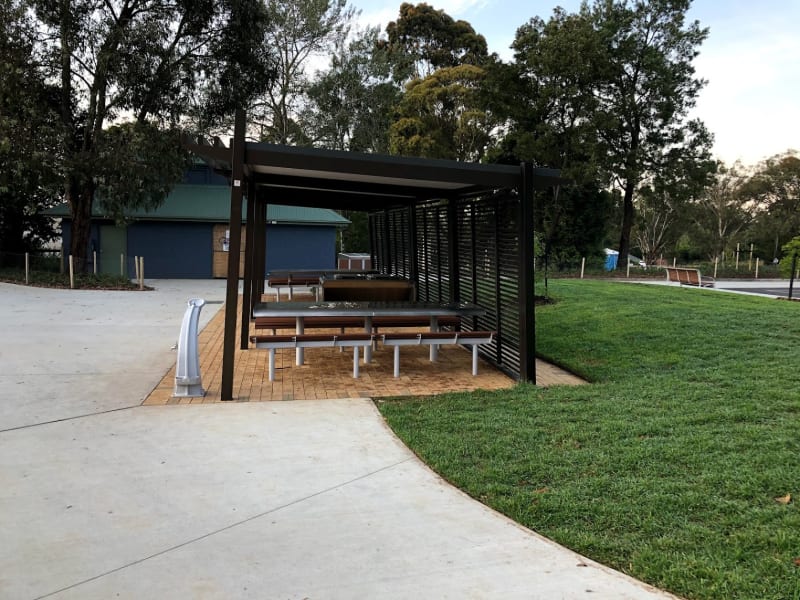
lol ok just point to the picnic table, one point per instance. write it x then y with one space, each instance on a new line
306 277
367 311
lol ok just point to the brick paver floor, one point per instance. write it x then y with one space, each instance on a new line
328 373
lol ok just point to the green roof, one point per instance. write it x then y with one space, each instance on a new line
212 203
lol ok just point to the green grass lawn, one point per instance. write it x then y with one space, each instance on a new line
668 466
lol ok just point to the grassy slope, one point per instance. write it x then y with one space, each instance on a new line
668 466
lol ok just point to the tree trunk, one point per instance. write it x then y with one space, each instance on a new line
627 225
80 200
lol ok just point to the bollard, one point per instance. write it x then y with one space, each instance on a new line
187 370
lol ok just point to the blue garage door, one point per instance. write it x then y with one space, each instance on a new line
172 250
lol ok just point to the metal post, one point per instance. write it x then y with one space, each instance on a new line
232 289
188 383
527 317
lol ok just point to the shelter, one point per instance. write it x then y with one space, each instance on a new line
460 231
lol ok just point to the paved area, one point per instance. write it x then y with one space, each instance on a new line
328 373
102 497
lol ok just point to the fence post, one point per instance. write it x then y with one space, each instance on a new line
141 272
674 260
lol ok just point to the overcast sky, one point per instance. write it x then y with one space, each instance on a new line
751 61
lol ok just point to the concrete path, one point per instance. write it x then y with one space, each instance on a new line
101 497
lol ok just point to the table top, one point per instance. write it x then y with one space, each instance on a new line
365 309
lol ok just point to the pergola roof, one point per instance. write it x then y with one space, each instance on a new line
356 181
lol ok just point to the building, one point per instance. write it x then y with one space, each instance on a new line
187 236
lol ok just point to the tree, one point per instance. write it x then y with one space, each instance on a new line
774 191
666 198
28 137
424 39
645 87
542 102
351 105
721 211
442 116
145 59
298 31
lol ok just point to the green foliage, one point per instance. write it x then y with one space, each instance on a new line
441 116
351 104
721 211
669 465
604 94
28 137
297 31
774 189
423 40
791 252
156 61
137 166
355 238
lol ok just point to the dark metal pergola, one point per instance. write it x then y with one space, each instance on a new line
411 201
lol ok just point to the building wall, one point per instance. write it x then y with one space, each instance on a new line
186 250
300 247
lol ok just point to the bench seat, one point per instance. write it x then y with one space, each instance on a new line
437 338
323 322
339 340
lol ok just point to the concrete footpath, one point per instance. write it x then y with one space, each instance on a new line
101 497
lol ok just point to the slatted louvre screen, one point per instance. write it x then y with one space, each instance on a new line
486 262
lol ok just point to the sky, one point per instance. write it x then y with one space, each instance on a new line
750 59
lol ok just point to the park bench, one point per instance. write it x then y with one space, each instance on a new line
437 338
686 276
275 342
292 280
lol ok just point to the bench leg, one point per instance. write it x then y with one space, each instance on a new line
434 350
272 364
397 361
299 330
474 359
355 362
367 349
